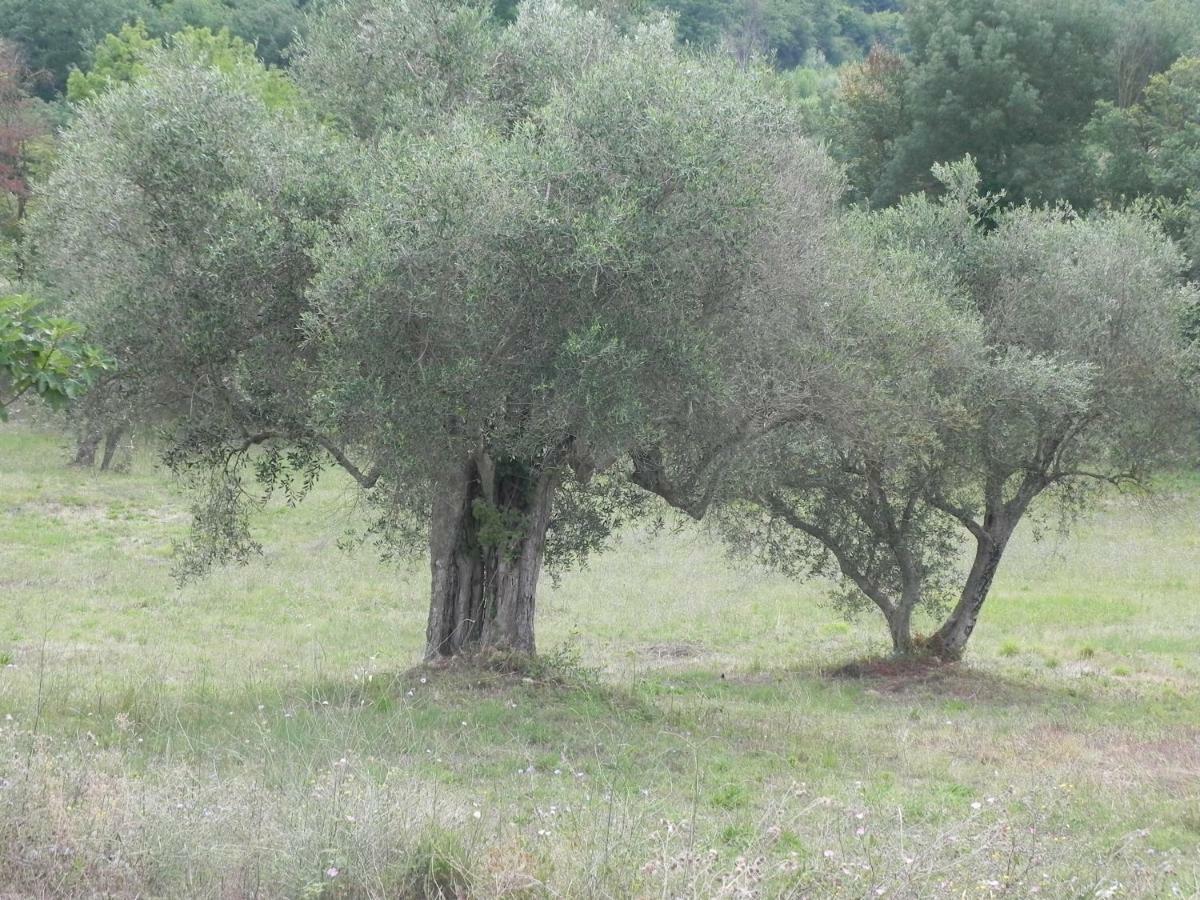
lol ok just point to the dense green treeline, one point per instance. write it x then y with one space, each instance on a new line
1038 92
1045 95
793 32
57 35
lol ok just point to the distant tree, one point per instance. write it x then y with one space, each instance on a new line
55 34
1067 370
1152 35
118 59
43 356
123 58
1151 150
269 26
1010 82
793 32
522 253
24 131
869 115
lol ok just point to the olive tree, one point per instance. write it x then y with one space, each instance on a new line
490 265
540 281
178 227
839 493
1089 382
1066 370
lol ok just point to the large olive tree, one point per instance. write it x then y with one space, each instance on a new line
477 268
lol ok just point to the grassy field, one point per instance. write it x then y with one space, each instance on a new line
265 732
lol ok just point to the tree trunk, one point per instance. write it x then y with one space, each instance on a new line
486 543
85 452
899 621
950 641
112 440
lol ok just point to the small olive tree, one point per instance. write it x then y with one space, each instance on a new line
839 492
1067 370
490 264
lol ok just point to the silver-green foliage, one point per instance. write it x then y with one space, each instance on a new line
178 225
1048 356
526 252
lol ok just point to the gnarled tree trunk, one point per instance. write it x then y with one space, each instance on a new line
85 452
487 540
112 441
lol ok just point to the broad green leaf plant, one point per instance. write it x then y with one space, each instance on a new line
43 356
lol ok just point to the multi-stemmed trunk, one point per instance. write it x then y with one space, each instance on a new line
487 540
85 452
89 443
950 640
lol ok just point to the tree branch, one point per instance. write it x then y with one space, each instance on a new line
827 540
649 471
957 512
366 480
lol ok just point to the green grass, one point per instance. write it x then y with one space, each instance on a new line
264 732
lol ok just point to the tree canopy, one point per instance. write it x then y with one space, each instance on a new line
501 271
1064 366
515 270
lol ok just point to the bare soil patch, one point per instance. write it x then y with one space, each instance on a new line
914 674
674 650
898 670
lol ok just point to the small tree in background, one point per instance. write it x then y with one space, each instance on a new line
24 135
118 59
57 35
869 117
124 57
1152 150
1010 82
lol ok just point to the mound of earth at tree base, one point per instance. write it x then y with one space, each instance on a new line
917 667
937 677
